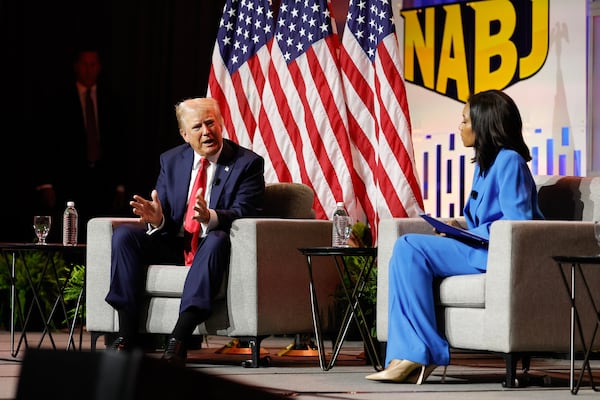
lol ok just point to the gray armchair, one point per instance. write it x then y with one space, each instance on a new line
520 306
266 290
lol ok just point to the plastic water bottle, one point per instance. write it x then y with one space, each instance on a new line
70 220
339 225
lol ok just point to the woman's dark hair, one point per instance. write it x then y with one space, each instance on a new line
496 123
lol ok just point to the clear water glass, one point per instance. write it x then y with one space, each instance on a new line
41 226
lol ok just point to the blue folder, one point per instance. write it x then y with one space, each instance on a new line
455 232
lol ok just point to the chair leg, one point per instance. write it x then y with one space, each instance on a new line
512 359
94 336
254 344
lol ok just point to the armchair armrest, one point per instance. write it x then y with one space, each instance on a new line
268 290
99 314
524 289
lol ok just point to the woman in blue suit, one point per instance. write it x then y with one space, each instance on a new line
503 188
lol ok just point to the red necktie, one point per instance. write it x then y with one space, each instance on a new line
190 225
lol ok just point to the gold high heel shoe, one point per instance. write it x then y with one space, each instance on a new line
396 371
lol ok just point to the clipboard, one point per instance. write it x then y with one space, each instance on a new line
454 232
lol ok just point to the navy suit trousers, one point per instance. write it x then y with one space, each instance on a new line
133 249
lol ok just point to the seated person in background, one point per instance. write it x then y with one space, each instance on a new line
194 232
502 188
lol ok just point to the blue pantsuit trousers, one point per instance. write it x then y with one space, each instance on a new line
418 259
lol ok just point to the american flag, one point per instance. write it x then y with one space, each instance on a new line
305 111
282 94
378 115
239 63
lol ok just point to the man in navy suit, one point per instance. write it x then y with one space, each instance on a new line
234 189
89 172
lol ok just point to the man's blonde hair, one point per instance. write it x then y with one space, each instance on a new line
194 104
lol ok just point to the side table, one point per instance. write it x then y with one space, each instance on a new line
16 251
353 290
576 263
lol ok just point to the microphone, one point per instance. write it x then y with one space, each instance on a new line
474 195
216 182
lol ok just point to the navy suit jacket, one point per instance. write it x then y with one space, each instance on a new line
238 185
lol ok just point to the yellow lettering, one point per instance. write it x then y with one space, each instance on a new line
423 45
453 57
488 45
531 63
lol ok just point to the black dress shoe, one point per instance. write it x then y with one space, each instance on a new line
175 352
120 344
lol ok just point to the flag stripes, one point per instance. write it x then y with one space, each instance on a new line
328 113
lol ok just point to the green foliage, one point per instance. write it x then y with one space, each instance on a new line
43 277
73 290
361 237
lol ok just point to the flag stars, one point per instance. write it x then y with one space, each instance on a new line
303 20
245 26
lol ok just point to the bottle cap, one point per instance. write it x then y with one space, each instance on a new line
340 204
70 204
